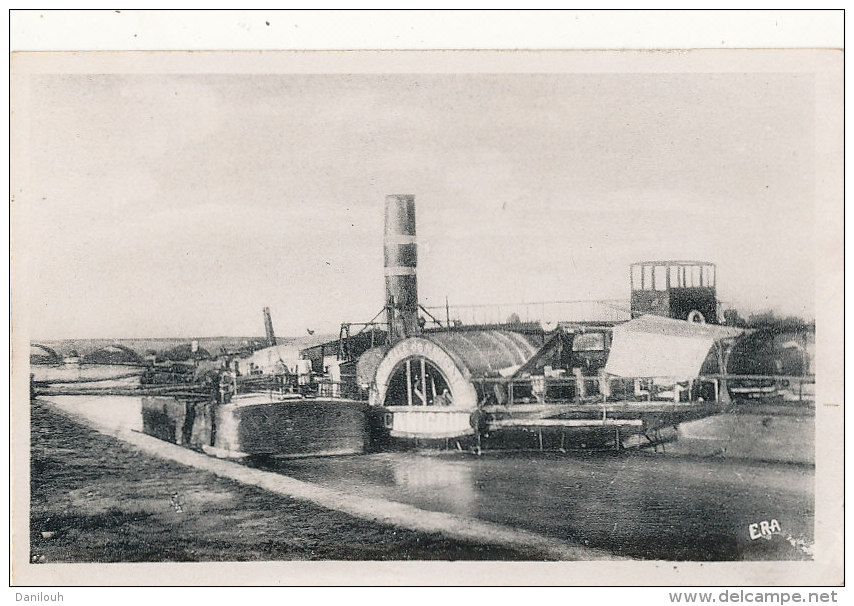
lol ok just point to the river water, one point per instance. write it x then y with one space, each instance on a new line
639 504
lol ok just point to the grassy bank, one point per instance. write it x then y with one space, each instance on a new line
95 499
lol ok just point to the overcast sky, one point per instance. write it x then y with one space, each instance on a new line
181 205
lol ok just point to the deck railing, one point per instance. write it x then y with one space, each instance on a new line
799 389
542 311
538 389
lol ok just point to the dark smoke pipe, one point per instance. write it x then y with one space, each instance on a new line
268 327
401 259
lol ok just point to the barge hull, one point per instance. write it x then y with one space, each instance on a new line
256 425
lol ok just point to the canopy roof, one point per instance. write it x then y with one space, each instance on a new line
653 346
486 352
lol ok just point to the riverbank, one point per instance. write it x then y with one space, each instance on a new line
97 499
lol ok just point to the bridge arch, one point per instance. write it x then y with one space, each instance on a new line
42 354
114 353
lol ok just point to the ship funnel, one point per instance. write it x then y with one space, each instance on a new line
401 259
268 327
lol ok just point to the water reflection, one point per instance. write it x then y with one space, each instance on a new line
638 505
440 485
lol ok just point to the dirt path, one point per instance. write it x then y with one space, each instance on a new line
132 498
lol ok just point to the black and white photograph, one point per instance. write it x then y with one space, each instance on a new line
560 308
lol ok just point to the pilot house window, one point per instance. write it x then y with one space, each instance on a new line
675 277
660 277
695 276
708 275
647 277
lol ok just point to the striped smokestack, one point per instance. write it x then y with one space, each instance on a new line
401 259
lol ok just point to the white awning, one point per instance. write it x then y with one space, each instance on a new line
652 346
269 359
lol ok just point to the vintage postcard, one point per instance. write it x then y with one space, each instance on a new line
474 317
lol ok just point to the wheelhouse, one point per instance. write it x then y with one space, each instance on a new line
683 290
